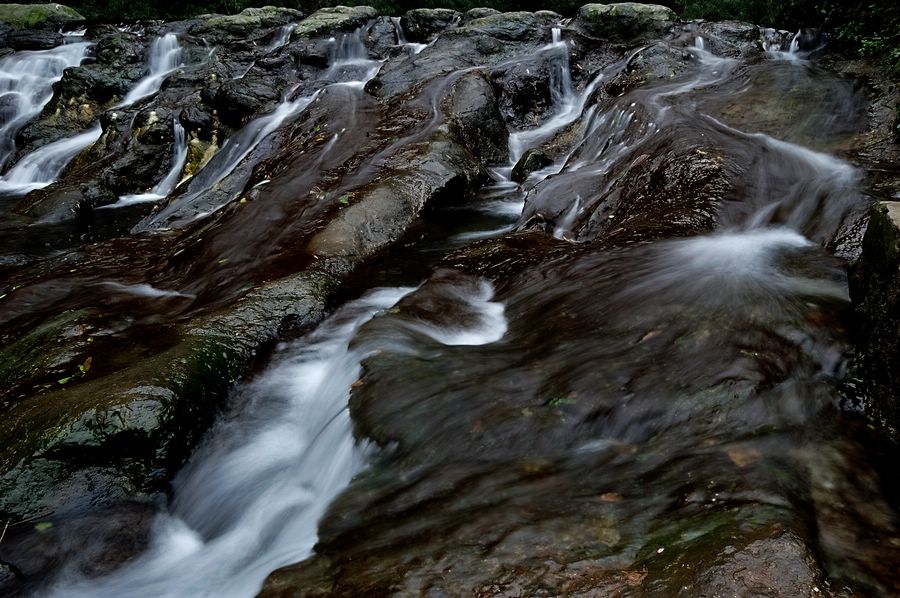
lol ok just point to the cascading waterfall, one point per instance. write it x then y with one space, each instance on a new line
165 58
568 104
233 152
170 181
26 80
250 499
43 166
350 67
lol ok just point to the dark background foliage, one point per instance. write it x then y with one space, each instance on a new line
860 27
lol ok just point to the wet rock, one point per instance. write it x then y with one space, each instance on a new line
525 93
217 28
198 121
626 21
37 550
33 39
875 288
479 13
778 566
45 16
731 38
513 26
100 438
471 111
483 42
422 25
239 99
330 20
418 176
531 160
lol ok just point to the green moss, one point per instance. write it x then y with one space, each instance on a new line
28 16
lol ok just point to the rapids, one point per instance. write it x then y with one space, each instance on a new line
620 374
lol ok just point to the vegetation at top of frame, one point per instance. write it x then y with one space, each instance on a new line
862 27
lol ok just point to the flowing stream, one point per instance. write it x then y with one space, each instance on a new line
657 383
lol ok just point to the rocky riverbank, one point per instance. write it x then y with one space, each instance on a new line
303 149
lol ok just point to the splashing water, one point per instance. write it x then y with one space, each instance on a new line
26 80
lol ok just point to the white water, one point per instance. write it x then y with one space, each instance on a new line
165 58
170 181
26 80
401 38
250 499
350 62
43 166
143 290
282 37
350 68
772 45
568 104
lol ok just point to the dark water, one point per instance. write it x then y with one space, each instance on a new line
654 382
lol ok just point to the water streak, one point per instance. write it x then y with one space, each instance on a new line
251 497
164 187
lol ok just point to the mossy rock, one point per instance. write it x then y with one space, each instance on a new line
624 21
337 18
246 22
29 16
94 440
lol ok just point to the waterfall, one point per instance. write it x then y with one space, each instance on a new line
568 104
350 62
401 38
170 181
43 166
699 43
26 80
165 58
282 37
250 499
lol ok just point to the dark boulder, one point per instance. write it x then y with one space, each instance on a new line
626 21
422 25
471 111
239 99
33 39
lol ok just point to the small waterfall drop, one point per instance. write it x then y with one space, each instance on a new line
568 104
165 58
281 38
699 43
350 62
170 181
43 166
401 38
26 80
